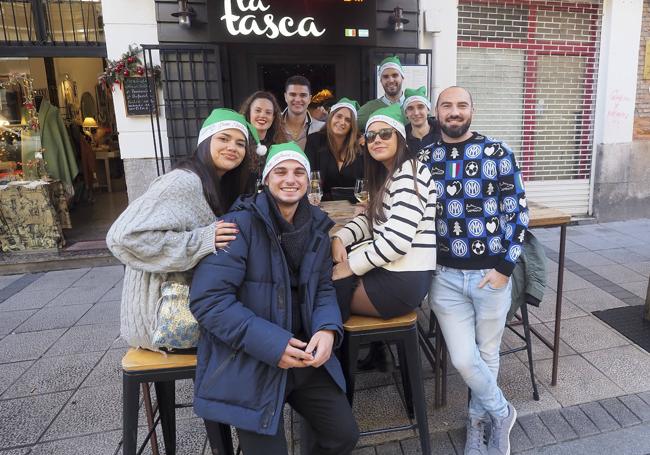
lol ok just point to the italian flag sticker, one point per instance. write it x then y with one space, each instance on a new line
453 170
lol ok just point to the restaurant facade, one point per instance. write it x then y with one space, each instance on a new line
555 79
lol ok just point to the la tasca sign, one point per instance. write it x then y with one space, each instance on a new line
332 22
242 21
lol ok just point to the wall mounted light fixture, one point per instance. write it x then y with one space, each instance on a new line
397 19
185 14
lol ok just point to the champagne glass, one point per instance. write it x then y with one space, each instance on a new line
361 190
315 193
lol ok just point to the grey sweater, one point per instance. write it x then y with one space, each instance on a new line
160 236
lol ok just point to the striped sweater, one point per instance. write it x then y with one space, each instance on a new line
406 241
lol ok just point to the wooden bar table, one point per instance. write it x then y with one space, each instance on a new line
540 216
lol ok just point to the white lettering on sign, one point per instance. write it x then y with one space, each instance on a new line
245 25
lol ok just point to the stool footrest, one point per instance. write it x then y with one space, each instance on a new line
388 430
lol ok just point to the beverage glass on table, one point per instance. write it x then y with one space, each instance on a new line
361 191
315 192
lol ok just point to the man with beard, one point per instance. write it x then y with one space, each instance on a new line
481 221
391 78
298 124
423 130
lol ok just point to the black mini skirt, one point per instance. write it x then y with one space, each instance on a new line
396 293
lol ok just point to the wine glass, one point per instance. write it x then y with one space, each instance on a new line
315 193
361 190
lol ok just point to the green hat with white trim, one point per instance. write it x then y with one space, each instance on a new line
346 102
393 63
411 95
391 115
283 152
225 119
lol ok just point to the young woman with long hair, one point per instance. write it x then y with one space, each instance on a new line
165 232
389 273
335 153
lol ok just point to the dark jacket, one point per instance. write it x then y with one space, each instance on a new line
415 144
321 159
529 275
241 298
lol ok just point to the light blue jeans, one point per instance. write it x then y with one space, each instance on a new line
472 321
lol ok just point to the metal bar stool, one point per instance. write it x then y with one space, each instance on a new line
140 366
436 353
401 331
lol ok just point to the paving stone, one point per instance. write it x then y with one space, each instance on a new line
53 318
90 410
101 277
30 416
391 448
6 280
16 452
589 258
27 300
617 273
579 421
100 443
570 282
114 293
58 279
11 372
622 255
642 268
546 310
457 437
587 334
12 319
557 425
85 338
78 296
593 299
620 412
101 313
364 451
538 434
27 346
599 416
190 437
638 288
540 350
640 408
107 371
53 374
628 366
519 441
645 396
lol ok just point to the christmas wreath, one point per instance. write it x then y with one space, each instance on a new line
129 65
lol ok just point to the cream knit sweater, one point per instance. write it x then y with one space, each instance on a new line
160 236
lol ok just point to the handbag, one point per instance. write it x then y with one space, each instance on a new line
175 326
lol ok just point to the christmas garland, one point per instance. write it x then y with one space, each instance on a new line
26 84
129 65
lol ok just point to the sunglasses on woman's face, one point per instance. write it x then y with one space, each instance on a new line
384 134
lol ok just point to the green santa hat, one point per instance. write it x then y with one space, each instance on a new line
225 119
284 152
412 95
346 102
393 63
390 114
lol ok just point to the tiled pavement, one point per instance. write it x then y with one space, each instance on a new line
60 389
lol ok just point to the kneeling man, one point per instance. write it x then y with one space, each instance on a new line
269 318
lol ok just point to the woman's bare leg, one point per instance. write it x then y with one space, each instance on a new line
361 304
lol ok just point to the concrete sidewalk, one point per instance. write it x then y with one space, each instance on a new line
60 383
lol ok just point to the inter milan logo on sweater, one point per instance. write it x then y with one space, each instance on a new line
495 245
459 247
505 166
515 252
489 169
490 206
455 208
472 151
453 170
442 227
510 204
472 188
523 218
438 154
440 188
475 227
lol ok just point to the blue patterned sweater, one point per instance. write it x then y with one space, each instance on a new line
481 210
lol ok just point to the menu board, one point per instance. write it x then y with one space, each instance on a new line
136 95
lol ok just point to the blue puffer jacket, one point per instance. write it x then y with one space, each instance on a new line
241 298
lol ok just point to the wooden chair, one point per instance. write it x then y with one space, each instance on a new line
401 331
140 366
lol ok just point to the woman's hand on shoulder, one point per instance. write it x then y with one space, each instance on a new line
224 233
339 254
341 270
